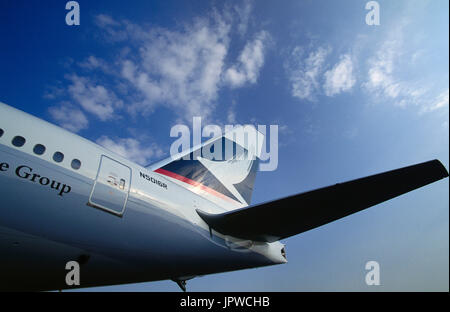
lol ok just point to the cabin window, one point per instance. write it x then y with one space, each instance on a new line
1 132
58 156
76 164
18 141
39 149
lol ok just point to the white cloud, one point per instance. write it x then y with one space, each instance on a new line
95 99
69 117
389 78
114 29
231 114
184 70
104 20
92 63
340 78
179 69
131 149
243 13
440 101
249 63
53 92
381 79
304 72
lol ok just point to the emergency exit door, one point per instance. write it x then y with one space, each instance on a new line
111 187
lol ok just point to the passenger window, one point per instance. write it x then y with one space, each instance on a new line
18 141
122 184
58 156
76 164
1 132
39 149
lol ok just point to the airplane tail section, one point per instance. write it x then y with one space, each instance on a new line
222 169
295 214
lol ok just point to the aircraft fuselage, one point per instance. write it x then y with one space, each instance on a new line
123 223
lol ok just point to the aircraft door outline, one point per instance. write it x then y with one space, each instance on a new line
111 187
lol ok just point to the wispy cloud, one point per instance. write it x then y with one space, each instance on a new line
438 102
94 98
340 78
115 31
304 73
182 70
73 119
387 78
54 92
231 114
93 63
130 148
179 69
243 13
381 79
249 63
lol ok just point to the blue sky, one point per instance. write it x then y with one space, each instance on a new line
349 99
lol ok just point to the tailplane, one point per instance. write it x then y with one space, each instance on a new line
296 214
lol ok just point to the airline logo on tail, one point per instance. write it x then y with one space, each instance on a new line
230 177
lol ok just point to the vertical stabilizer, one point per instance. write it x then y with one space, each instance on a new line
222 169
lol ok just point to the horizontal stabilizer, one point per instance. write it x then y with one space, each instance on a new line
295 214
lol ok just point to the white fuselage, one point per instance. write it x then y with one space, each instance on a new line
134 225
